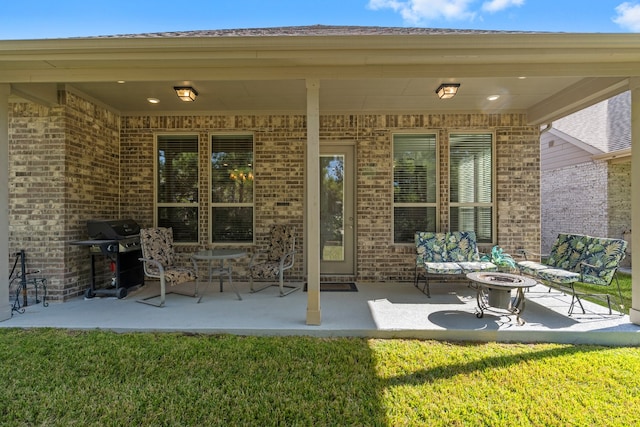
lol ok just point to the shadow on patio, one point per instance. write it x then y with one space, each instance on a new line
379 310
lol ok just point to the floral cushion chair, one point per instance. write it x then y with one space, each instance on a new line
158 258
579 258
271 263
446 256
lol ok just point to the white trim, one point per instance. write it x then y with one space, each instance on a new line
614 155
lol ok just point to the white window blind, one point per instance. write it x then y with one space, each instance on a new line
232 188
414 185
471 184
177 185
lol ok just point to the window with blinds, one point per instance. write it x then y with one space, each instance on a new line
177 185
232 188
414 185
471 184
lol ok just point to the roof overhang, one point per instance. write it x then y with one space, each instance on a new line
545 75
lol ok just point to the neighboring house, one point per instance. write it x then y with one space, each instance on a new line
586 173
282 116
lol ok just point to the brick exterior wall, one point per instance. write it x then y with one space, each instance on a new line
110 160
574 200
64 168
619 194
589 198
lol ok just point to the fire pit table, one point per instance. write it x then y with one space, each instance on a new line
494 293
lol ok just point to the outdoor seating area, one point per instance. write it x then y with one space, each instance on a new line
446 256
579 258
268 266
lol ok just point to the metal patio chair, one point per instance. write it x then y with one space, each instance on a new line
159 258
271 263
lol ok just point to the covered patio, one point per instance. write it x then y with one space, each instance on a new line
377 310
80 107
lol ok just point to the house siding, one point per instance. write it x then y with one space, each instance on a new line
110 160
557 152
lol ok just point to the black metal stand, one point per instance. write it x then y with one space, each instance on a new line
36 282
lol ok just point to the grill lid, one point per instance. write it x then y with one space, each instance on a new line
112 229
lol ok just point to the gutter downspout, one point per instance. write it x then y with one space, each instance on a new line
547 128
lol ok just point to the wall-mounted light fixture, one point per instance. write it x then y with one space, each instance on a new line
447 90
186 93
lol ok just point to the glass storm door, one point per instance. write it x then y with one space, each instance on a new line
337 200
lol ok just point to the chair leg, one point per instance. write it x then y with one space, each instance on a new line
621 305
426 286
162 295
575 298
282 286
253 290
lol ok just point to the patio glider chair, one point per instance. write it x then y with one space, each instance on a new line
577 258
271 263
158 258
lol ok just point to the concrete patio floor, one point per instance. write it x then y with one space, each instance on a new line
378 310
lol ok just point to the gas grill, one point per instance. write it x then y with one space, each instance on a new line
119 241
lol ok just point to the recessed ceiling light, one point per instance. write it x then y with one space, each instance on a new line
493 97
120 81
153 100
522 77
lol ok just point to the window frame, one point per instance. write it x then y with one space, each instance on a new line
437 203
156 204
493 204
212 205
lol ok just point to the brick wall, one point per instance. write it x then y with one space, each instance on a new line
589 198
574 200
619 189
279 171
64 165
36 188
109 160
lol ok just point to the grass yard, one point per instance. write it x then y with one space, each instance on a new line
59 377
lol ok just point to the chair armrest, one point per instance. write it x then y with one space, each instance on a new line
152 262
523 253
288 258
591 266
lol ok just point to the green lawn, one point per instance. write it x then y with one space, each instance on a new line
59 377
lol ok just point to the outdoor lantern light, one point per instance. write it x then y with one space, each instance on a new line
186 93
447 90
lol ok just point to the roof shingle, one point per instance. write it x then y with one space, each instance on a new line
312 30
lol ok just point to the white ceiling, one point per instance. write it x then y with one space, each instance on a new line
360 96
